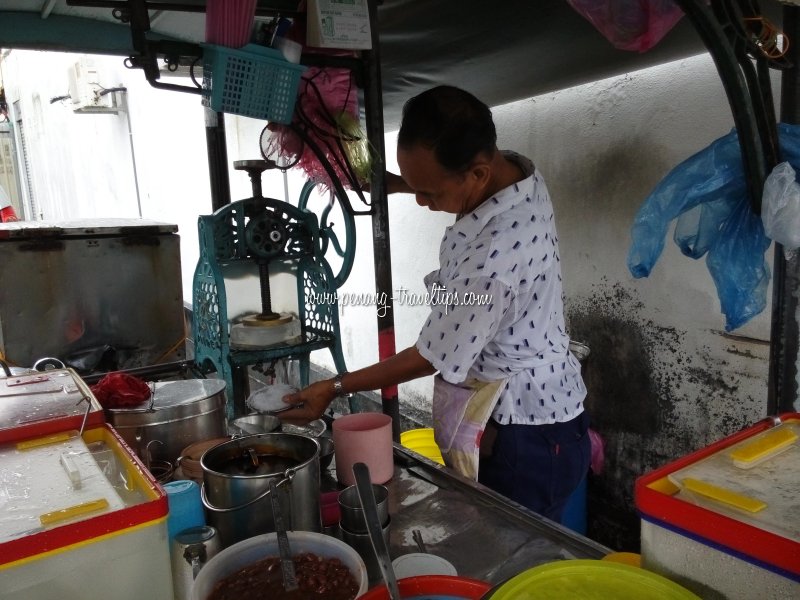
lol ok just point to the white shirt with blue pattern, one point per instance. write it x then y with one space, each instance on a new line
506 252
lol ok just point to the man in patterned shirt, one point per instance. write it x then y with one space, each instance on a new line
503 246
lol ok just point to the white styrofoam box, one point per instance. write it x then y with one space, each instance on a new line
118 550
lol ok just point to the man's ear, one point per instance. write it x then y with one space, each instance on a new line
481 172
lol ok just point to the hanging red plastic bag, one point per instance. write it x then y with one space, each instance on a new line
635 25
120 390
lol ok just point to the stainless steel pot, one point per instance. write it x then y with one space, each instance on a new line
236 478
179 414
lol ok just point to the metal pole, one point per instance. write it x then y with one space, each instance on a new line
783 355
373 107
217 159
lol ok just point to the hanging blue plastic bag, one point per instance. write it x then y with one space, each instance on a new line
710 182
738 267
707 195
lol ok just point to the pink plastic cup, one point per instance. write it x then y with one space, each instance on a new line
367 438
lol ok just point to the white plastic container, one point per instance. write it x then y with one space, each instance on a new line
255 548
419 563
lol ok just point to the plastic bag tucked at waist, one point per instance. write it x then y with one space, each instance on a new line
707 195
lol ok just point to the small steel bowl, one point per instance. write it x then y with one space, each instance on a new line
254 424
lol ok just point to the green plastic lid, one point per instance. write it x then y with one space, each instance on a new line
590 580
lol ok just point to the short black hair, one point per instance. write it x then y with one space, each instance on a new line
451 122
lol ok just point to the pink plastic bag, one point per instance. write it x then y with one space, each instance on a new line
635 25
598 452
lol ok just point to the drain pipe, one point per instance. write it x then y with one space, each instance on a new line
127 110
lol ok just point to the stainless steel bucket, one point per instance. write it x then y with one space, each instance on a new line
179 414
236 477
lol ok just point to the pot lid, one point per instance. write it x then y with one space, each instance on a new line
85 227
169 394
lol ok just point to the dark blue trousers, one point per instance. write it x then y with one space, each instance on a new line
538 466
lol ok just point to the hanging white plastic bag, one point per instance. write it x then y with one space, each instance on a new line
780 207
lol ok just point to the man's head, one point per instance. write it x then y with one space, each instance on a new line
451 122
445 147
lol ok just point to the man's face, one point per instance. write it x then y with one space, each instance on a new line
434 186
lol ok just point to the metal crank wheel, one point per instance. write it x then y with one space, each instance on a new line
337 252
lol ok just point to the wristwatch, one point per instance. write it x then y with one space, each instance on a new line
338 389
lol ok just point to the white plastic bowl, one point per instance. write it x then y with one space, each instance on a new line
248 551
417 563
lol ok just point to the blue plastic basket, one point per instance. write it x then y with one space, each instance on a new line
253 81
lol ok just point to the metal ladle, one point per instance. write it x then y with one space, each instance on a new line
287 566
367 497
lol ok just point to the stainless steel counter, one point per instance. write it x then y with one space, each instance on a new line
485 535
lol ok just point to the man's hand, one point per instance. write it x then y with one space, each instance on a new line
394 185
315 399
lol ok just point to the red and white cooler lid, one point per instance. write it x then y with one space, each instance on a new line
739 494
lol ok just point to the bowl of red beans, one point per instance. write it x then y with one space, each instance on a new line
325 568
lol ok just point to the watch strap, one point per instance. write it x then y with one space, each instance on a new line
338 388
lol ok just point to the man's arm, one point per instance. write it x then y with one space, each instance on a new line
403 366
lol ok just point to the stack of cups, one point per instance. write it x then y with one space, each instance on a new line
353 525
185 506
229 22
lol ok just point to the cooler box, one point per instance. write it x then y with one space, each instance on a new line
725 521
80 517
45 402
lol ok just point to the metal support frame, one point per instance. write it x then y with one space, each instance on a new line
147 51
373 100
217 159
783 354
758 153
